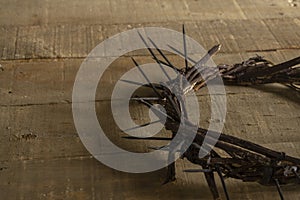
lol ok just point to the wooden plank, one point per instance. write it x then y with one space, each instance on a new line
138 12
287 33
23 82
76 41
8 39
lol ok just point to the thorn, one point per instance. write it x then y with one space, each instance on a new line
207 56
164 148
153 55
197 170
153 87
150 138
184 48
223 183
279 189
133 82
145 98
163 55
214 49
141 126
180 53
156 148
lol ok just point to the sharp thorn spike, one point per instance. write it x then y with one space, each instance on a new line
223 183
153 55
150 138
182 54
133 82
279 189
142 72
184 48
163 55
197 170
210 179
207 56
162 62
145 98
141 126
163 148
214 49
155 148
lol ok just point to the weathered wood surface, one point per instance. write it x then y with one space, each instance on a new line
42 45
76 40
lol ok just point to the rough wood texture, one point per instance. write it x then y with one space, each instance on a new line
42 44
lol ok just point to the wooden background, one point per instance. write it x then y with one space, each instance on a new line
42 44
